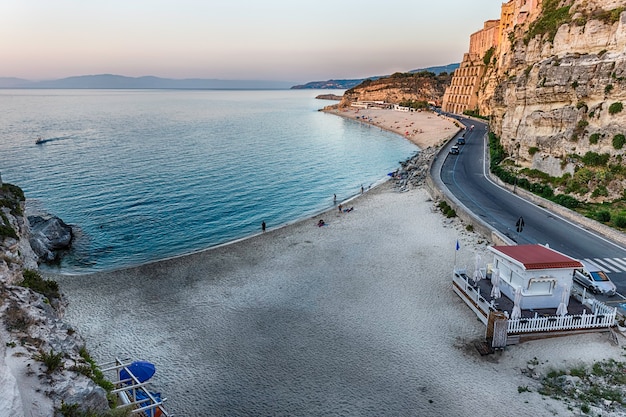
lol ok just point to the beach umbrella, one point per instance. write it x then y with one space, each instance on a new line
495 282
141 370
477 275
562 310
516 313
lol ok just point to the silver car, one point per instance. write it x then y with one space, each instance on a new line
594 279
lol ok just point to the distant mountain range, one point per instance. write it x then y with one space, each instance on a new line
347 84
111 81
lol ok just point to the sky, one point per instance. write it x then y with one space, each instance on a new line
276 40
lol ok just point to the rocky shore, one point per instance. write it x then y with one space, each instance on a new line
44 365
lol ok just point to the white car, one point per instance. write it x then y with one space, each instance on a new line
594 279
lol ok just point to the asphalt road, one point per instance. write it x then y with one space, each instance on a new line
464 175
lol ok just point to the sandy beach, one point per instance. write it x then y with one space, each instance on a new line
422 128
355 318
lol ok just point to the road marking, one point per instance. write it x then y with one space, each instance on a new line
621 261
592 263
612 263
608 264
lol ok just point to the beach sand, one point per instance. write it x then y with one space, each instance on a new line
422 128
355 318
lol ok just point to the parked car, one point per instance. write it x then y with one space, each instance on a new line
454 150
461 140
594 279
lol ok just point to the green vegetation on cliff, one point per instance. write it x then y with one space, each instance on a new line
594 171
11 198
551 18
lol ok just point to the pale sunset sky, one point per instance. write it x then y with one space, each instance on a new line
278 40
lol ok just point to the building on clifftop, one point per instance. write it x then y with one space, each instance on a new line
485 47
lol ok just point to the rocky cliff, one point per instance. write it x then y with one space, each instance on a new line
400 87
44 366
555 88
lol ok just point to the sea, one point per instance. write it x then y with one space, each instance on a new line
143 175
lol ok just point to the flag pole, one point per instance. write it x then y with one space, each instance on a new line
456 249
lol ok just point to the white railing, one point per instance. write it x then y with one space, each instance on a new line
600 315
603 316
471 295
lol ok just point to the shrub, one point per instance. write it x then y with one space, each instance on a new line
600 191
533 150
7 231
551 18
575 84
616 107
96 374
603 216
608 88
594 138
566 201
35 282
53 361
618 141
609 16
595 159
488 55
620 221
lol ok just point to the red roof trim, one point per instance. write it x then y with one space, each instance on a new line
538 257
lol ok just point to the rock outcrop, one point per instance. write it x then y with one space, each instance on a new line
400 87
43 361
48 236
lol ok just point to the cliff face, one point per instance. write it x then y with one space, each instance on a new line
421 86
42 359
557 91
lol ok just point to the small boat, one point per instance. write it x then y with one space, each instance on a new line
40 140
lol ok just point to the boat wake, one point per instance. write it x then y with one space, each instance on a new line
41 141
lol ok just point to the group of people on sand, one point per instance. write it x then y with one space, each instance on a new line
321 222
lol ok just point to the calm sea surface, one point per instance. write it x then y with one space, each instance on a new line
148 174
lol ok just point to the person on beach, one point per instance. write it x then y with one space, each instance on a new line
361 188
340 207
321 223
334 198
263 226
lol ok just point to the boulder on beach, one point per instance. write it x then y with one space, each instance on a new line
49 234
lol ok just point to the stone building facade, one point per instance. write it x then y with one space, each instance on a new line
462 94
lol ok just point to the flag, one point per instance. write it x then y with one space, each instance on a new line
457 245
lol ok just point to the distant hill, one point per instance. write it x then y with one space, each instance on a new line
110 81
438 70
348 84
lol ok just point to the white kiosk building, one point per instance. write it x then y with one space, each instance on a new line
543 275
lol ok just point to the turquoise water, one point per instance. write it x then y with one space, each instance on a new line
148 174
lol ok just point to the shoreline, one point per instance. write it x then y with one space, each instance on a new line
353 318
386 122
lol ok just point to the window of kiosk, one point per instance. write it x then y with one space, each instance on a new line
541 286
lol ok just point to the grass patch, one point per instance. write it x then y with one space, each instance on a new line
35 282
53 361
446 209
550 20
